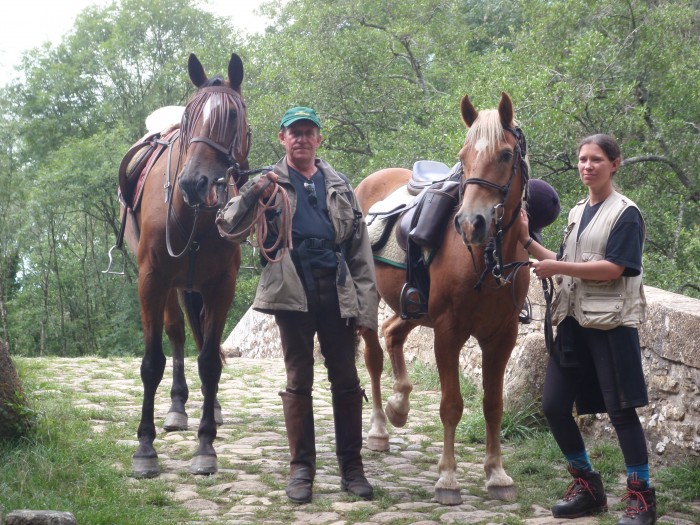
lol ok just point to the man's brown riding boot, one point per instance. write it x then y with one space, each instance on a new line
641 503
299 420
585 495
347 414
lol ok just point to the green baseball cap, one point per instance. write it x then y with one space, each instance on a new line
299 113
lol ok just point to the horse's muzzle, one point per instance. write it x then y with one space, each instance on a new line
473 228
202 191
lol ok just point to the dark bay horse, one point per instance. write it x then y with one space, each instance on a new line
181 256
473 291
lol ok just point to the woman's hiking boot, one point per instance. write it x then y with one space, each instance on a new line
641 503
585 495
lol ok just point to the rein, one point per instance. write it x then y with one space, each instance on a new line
258 229
493 252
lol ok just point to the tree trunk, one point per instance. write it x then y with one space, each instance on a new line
15 414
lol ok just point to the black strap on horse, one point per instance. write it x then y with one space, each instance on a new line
548 289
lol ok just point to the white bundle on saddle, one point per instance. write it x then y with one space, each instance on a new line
164 118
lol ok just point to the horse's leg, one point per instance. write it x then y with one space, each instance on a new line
145 459
195 304
176 419
396 331
495 354
447 348
377 437
217 301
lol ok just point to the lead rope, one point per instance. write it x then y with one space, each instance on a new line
258 230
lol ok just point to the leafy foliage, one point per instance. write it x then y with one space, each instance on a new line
386 79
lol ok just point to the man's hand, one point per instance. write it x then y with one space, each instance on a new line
266 185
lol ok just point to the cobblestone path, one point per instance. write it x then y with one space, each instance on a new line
253 454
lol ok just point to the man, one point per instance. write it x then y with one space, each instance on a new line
325 286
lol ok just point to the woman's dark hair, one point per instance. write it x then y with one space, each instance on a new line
604 142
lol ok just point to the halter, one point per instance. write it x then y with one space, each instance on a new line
229 152
234 147
493 251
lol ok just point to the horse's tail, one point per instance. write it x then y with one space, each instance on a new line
194 303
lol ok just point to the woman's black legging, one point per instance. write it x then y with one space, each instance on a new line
561 387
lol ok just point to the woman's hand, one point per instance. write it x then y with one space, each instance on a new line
545 268
524 234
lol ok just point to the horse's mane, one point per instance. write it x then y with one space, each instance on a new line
488 127
222 102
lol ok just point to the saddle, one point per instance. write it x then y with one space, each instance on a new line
419 225
135 167
429 189
138 161
425 174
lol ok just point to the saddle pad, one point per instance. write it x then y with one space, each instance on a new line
397 199
391 253
379 219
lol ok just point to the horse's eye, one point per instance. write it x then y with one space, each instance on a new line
505 156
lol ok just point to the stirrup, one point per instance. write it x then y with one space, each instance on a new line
109 266
525 315
413 303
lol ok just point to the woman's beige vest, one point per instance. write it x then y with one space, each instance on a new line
597 304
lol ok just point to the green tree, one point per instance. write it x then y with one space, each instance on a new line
82 105
627 69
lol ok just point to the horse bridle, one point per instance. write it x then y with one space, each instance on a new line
493 250
228 153
232 172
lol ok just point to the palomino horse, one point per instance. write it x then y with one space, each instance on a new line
180 254
470 293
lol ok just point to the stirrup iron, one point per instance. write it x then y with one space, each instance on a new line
414 304
109 266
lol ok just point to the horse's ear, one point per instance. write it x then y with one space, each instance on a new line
196 71
505 110
469 114
235 72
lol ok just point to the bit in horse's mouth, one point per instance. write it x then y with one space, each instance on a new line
215 193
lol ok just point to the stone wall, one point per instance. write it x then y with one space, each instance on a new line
670 341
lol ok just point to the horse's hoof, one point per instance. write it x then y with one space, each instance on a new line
175 421
218 417
506 493
145 467
448 496
203 465
398 419
378 443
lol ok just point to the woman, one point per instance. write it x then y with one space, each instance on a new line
596 360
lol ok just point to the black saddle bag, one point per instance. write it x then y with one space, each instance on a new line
435 209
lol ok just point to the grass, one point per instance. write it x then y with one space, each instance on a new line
64 465
521 420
